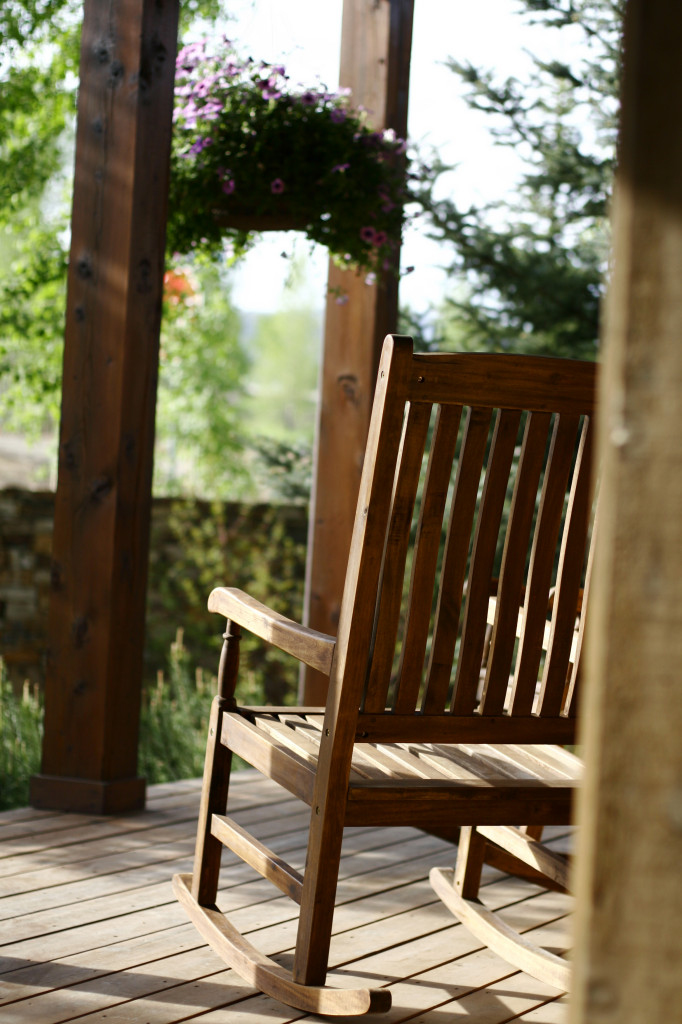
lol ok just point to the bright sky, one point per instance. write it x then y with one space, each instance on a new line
305 34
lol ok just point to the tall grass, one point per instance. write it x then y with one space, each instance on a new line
173 726
174 719
21 737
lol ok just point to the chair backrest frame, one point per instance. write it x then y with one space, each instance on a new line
547 404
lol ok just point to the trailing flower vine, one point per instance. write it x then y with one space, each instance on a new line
251 151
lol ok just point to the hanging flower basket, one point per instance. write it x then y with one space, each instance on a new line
252 154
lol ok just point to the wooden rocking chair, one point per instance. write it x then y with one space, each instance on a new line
475 503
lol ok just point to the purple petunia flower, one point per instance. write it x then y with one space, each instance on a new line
337 116
211 110
277 186
199 145
367 234
379 238
228 186
308 99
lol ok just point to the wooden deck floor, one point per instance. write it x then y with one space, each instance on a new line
89 928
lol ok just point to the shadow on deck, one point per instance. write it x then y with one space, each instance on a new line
89 928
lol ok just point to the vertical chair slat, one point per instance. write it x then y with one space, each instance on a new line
569 578
463 507
395 554
570 707
482 560
425 559
542 563
512 572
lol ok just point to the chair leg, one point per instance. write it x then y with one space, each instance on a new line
197 892
460 895
208 849
317 900
469 864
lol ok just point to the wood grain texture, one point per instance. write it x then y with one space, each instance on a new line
266 974
505 381
529 850
498 936
425 558
570 571
491 507
450 594
308 645
395 555
542 559
511 585
376 42
102 509
259 856
207 850
115 947
629 897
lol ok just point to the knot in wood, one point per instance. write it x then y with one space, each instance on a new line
99 488
79 631
348 383
116 73
102 51
84 268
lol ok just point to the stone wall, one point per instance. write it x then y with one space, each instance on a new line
26 519
184 535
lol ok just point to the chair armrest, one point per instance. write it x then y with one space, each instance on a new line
308 645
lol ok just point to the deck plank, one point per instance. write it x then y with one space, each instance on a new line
89 929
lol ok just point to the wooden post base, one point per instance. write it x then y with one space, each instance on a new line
87 796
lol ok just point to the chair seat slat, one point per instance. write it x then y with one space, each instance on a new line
448 760
379 764
529 765
296 740
409 758
560 760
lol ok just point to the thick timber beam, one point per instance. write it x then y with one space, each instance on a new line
376 41
101 532
628 946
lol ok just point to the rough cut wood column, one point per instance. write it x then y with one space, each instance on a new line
376 41
628 947
101 533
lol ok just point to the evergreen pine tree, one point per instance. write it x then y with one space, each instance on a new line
534 267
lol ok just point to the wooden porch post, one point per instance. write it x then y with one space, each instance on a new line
101 531
628 948
376 41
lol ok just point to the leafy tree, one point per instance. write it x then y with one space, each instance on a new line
283 382
202 363
200 402
530 271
